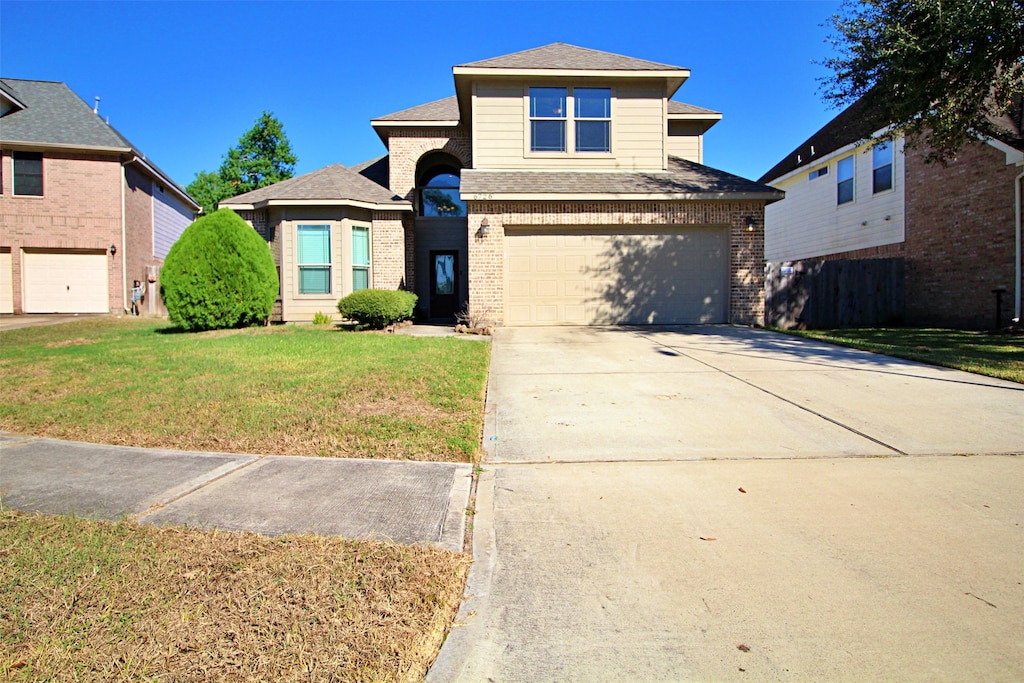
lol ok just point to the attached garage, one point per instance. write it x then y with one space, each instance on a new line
65 281
6 283
650 275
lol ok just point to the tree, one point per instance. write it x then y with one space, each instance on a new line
263 156
941 68
219 274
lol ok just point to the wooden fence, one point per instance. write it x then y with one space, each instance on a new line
834 294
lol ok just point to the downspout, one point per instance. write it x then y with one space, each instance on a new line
1017 270
124 235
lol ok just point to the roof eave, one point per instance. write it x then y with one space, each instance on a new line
355 203
769 197
35 144
184 196
574 73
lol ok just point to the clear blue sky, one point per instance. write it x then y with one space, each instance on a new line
184 80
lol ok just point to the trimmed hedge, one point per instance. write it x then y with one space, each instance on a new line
219 274
378 308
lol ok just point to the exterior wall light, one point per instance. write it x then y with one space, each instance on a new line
113 249
485 228
750 223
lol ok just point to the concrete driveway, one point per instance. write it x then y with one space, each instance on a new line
721 503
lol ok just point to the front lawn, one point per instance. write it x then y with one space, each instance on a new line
275 390
995 355
92 601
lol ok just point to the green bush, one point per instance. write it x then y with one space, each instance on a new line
377 308
219 274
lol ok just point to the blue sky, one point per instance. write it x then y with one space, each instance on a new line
184 80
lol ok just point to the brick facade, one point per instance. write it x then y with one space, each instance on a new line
388 250
959 243
80 209
746 279
408 146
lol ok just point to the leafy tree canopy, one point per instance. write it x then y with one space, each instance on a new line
942 67
263 156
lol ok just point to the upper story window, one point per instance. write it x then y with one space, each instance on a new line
844 180
28 173
314 251
547 119
881 156
440 196
593 109
591 119
817 173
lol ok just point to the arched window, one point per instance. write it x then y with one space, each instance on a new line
439 195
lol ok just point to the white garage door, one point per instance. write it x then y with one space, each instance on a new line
599 276
65 282
6 284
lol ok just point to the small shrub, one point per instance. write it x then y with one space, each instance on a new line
219 274
377 308
322 319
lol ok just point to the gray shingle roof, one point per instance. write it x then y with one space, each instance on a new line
564 56
439 110
683 177
55 115
331 183
684 108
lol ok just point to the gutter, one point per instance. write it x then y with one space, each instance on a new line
1017 235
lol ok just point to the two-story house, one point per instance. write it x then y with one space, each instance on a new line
82 212
559 185
956 227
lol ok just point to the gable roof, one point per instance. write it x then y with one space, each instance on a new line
562 56
50 114
446 110
854 123
683 180
675 107
54 115
331 185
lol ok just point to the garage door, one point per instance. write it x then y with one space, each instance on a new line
6 288
65 282
601 276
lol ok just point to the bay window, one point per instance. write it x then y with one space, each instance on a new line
314 259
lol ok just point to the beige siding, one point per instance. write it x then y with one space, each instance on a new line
687 147
808 222
501 127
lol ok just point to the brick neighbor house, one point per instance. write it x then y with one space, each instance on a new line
82 212
558 186
954 229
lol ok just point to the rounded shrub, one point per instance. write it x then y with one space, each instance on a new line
378 308
219 274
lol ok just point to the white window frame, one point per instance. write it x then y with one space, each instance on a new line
569 121
852 179
368 266
299 265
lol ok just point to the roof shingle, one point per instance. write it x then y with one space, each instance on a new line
55 115
564 56
439 110
331 183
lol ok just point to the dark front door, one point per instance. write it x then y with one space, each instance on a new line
444 284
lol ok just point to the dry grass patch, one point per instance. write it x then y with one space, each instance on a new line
90 601
276 390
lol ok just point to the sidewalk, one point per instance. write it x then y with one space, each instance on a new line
406 502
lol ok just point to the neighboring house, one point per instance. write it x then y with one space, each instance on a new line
559 185
955 226
82 212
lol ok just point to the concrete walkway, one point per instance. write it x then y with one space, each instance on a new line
719 504
407 502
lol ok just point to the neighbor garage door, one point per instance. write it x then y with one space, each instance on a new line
6 284
65 282
596 275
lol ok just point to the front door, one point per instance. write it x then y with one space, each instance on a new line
444 284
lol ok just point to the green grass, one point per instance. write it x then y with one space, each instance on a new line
279 390
995 355
83 600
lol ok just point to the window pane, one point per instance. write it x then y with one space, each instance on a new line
846 191
593 103
314 280
360 278
361 246
28 173
592 136
444 274
442 202
314 244
844 169
882 154
547 136
444 180
547 103
883 178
